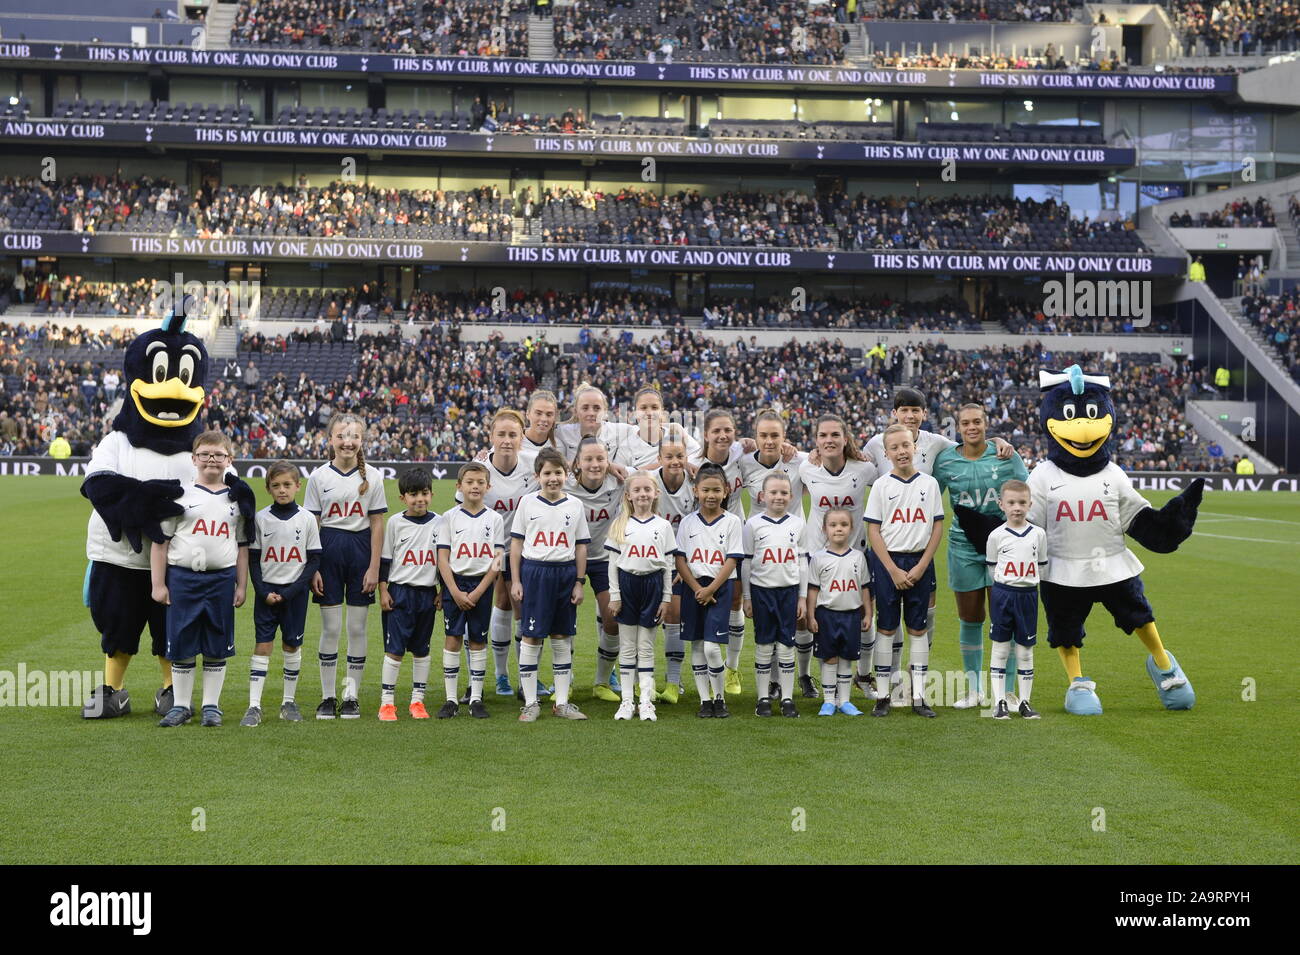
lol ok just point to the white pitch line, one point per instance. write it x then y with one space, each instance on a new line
1254 540
1266 520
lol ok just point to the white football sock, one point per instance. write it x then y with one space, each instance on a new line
674 652
717 675
918 660
357 644
214 678
830 681
1025 670
785 668
477 673
388 680
257 666
628 640
183 683
451 673
844 681
292 667
867 651
763 666
529 655
420 667
700 670
735 639
608 649
331 629
562 667
499 633
803 645
645 662
884 662
998 658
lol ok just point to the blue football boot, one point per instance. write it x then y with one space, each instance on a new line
828 709
848 709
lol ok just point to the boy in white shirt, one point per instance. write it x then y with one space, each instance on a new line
1017 552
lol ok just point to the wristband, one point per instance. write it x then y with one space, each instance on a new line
582 580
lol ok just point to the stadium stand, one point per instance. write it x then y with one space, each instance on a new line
452 28
1033 11
1278 319
1245 26
1234 215
429 398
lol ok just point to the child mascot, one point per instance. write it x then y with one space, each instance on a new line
133 480
1086 504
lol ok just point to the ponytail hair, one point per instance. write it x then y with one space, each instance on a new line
710 470
585 442
344 417
672 434
618 529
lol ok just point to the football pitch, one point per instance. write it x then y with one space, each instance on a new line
1136 785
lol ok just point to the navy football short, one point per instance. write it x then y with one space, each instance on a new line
288 616
408 627
344 559
839 634
640 596
598 574
472 623
911 605
1013 614
679 587
547 608
711 623
201 618
121 604
775 611
1068 607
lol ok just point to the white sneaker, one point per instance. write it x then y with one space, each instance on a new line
568 711
1013 702
626 710
971 701
648 712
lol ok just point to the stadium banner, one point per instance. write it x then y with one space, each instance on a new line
317 249
48 131
495 69
255 469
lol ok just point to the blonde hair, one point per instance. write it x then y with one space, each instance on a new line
618 529
582 388
542 394
767 414
344 417
208 438
894 429
1015 485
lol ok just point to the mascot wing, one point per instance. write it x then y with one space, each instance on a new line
133 507
1163 530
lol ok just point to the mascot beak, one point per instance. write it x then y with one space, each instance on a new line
1080 436
167 404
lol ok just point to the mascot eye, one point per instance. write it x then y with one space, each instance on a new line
186 371
1092 410
160 366
1068 412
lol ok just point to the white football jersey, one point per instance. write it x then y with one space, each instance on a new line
706 546
928 446
603 505
636 452
612 435
472 541
283 544
506 490
1085 519
773 552
1017 557
735 483
335 497
846 488
528 449
674 505
117 455
906 510
410 544
840 579
208 535
648 547
550 530
753 473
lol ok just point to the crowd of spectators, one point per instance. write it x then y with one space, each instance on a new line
1245 26
1050 59
429 397
1023 317
88 203
1278 319
449 27
827 221
747 31
1240 214
952 11
945 314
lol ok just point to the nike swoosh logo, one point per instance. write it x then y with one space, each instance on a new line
1056 487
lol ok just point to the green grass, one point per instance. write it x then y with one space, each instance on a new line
1213 785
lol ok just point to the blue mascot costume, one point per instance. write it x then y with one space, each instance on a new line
1086 504
133 480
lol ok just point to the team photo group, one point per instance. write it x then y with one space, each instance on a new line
689 534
